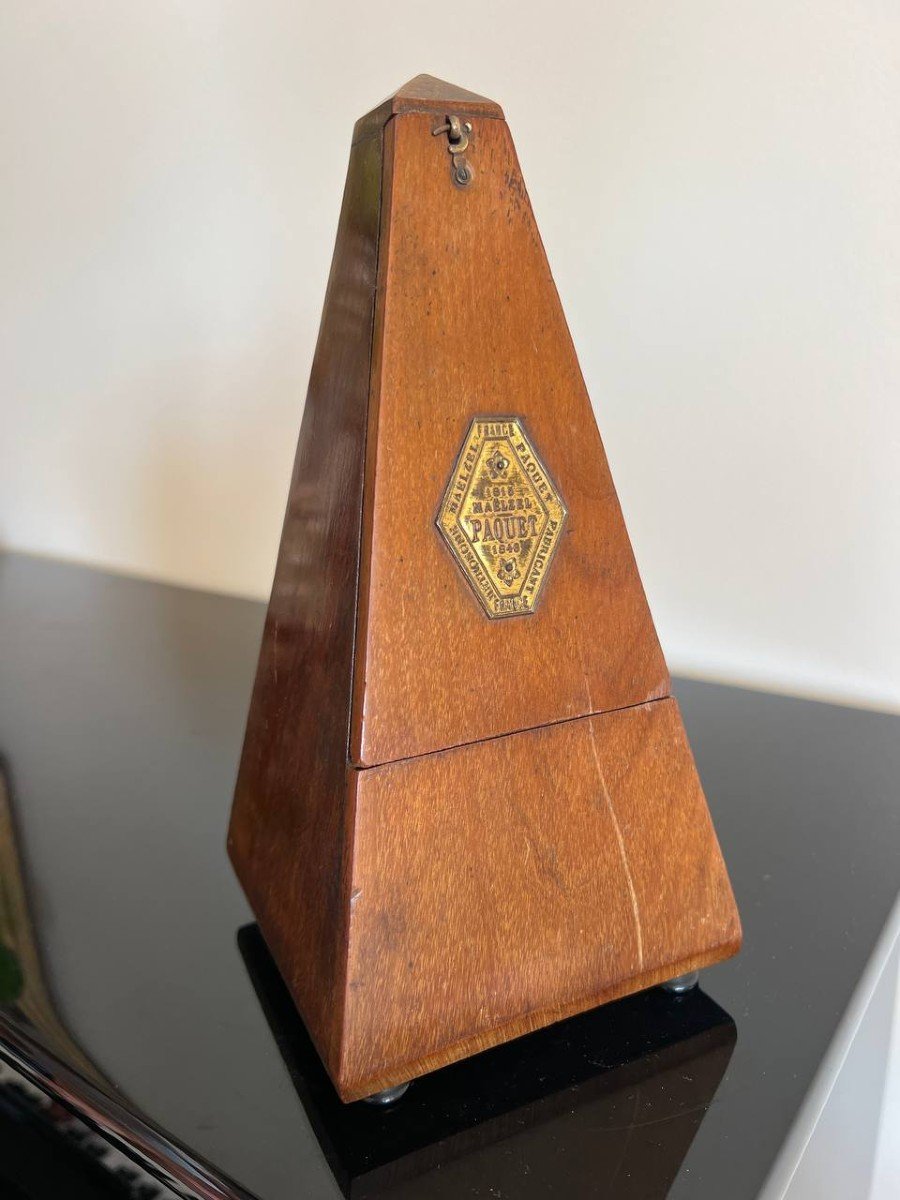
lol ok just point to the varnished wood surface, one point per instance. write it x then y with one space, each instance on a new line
501 886
428 94
470 323
444 843
287 830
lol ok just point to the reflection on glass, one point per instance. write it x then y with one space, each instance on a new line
610 1101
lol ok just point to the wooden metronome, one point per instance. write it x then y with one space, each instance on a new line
466 805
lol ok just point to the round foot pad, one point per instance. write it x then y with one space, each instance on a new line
388 1096
682 983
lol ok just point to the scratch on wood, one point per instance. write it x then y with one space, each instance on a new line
622 852
587 686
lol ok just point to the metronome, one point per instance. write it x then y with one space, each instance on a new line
466 806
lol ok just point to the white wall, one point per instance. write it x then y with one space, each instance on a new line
717 185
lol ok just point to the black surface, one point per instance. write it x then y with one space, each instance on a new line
36 1164
615 1078
121 713
47 1155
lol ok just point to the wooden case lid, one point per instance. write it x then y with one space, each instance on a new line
468 323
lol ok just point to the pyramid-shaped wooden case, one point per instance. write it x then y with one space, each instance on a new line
466 805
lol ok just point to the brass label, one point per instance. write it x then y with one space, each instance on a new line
502 516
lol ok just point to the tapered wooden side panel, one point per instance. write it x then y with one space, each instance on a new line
287 837
500 886
472 325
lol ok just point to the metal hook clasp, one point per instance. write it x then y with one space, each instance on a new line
457 143
457 133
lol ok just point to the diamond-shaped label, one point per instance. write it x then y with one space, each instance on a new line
502 516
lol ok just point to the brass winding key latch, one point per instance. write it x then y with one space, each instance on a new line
457 143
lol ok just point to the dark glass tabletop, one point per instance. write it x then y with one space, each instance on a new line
135 987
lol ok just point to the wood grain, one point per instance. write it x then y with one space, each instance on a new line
501 886
287 835
454 830
470 323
